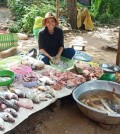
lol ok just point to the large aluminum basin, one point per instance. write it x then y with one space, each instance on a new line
94 114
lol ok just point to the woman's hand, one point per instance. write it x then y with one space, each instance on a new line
57 57
52 59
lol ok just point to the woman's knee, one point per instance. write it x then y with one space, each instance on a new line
45 60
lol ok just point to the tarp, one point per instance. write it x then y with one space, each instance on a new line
85 2
83 17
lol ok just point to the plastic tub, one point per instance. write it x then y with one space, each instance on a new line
9 74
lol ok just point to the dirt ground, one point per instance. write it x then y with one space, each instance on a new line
64 116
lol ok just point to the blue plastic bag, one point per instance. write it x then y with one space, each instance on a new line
82 56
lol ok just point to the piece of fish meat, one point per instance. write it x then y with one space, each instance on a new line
26 103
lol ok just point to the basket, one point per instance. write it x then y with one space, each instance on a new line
8 40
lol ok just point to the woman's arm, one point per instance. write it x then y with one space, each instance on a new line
46 54
59 53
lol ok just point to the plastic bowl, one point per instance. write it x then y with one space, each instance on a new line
108 77
6 73
69 62
30 84
110 68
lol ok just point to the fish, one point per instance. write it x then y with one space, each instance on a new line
7 117
97 106
9 95
106 105
11 111
8 104
19 92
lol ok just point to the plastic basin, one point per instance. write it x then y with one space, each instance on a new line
6 73
69 62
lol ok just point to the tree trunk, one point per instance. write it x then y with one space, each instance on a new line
72 12
57 9
118 51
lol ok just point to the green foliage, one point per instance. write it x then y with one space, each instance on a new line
31 13
26 11
105 17
3 2
95 7
14 29
105 11
17 7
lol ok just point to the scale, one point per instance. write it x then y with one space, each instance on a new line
109 71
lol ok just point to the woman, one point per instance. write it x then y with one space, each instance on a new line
51 40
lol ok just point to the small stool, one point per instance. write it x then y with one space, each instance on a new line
80 46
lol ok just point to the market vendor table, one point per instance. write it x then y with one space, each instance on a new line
25 113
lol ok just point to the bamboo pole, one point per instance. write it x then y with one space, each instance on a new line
118 51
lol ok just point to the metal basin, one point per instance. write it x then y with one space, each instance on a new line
109 67
92 113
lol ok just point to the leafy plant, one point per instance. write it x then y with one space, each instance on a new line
31 13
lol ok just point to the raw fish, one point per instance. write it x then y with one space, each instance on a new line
11 111
8 104
7 117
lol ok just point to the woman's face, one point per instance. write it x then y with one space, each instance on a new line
50 24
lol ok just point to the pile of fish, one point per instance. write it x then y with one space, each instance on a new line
109 105
11 99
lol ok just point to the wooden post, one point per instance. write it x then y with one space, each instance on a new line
57 9
118 51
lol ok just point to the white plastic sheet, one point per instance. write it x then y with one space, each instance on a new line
25 113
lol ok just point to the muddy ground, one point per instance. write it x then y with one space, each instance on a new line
64 117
